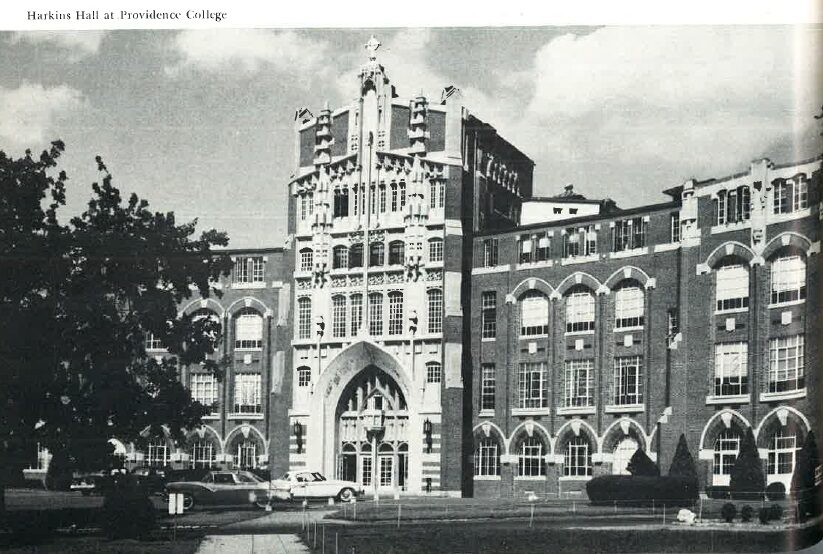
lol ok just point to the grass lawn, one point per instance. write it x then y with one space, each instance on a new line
94 545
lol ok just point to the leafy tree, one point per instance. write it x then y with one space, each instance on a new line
803 482
77 302
683 467
747 477
641 464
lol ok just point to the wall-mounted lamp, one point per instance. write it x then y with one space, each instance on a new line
298 436
320 324
427 431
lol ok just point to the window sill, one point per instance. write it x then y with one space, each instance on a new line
487 478
488 339
624 408
534 265
666 246
579 260
629 329
728 227
238 349
574 333
731 311
730 399
245 416
784 395
533 337
485 413
787 304
577 410
490 269
530 478
629 253
575 478
211 416
788 216
254 285
156 351
530 411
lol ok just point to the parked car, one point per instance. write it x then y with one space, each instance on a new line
151 478
225 488
93 483
313 485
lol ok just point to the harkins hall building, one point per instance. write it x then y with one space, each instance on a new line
430 326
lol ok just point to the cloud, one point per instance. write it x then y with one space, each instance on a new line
75 45
30 112
247 49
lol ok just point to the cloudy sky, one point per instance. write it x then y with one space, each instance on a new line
201 122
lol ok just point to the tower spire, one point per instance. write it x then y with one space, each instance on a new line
372 45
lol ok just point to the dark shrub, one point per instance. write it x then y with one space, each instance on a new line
728 512
763 515
683 467
803 487
718 492
641 465
746 513
60 472
776 491
635 490
127 510
747 477
775 511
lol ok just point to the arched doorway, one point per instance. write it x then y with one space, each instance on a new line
372 423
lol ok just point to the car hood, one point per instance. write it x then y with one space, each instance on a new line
280 483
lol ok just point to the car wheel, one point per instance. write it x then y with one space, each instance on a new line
188 501
346 495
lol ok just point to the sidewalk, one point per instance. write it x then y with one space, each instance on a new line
248 544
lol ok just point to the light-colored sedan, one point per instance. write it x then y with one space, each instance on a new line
225 488
313 485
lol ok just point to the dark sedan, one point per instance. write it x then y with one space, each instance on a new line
223 488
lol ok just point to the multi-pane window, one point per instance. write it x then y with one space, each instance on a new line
306 259
157 453
247 393
672 322
732 206
434 372
490 258
532 385
732 289
786 364
437 194
304 318
791 195
674 227
152 342
534 314
402 194
579 310
303 376
530 458
394 198
488 314
373 200
577 459
726 449
382 198
340 257
580 241
306 206
628 307
248 269
436 250
246 454
781 454
488 383
248 330
376 254
395 313
356 256
203 387
543 250
731 368
578 383
338 316
355 197
202 454
341 202
486 458
435 305
628 383
356 303
788 279
629 234
396 252
526 247
375 314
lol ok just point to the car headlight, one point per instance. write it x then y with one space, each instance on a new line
252 497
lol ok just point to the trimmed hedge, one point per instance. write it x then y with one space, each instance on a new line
718 492
776 491
746 513
728 512
639 490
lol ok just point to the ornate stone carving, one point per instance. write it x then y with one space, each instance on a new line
434 275
303 284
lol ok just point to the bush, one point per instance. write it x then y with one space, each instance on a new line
718 492
776 491
636 490
803 486
59 473
764 515
746 513
127 510
775 511
683 467
728 512
641 465
747 478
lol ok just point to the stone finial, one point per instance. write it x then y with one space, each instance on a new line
372 45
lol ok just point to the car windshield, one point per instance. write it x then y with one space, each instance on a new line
246 477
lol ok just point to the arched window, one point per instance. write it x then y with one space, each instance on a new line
248 330
628 307
338 327
788 279
726 449
433 372
376 254
579 310
534 314
246 457
395 313
304 317
577 459
157 453
303 376
396 252
530 458
435 250
356 256
732 289
202 454
435 302
623 452
486 458
306 259
375 314
340 258
781 458
394 198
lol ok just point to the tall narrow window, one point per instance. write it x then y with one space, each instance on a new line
791 195
248 330
788 279
526 248
571 243
436 250
356 256
356 302
578 381
355 193
786 364
247 393
402 194
726 449
530 458
732 290
488 383
435 305
396 252
628 382
375 314
382 198
579 310
532 387
629 307
203 387
303 376
433 372
376 254
488 314
395 313
304 318
543 252
490 253
577 460
338 316
674 225
731 368
306 259
534 314
781 456
340 257
394 198
486 458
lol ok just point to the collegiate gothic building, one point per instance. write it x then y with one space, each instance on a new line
431 327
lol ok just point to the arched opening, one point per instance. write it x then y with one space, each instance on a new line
623 452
